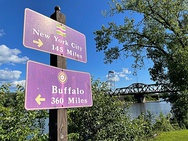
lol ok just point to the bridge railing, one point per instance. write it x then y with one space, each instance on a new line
140 88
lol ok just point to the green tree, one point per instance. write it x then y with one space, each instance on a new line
159 33
163 123
106 120
17 124
180 108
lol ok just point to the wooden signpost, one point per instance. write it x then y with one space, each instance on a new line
54 37
58 117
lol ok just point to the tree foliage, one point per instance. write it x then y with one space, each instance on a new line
103 121
180 108
108 120
157 32
17 124
159 29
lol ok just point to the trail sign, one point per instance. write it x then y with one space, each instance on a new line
45 34
49 87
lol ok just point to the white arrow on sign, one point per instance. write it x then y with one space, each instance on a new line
39 42
38 99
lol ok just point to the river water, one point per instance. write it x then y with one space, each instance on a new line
154 107
137 108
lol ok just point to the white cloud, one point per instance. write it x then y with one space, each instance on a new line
21 83
12 77
113 78
8 55
1 32
116 75
126 71
9 76
122 74
127 78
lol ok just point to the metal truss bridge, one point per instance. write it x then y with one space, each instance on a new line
140 88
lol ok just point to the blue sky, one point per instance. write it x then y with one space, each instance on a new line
82 15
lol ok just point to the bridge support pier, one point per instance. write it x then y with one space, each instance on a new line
140 98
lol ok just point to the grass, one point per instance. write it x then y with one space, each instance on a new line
180 135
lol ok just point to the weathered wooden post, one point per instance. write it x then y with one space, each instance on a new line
58 117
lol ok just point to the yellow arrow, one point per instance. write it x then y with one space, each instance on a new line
39 42
38 99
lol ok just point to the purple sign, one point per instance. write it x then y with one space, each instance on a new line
49 87
47 35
